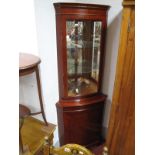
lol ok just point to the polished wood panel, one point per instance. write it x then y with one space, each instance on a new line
121 134
33 133
82 125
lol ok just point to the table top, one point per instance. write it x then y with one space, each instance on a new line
27 61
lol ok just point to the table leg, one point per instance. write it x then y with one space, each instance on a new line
40 94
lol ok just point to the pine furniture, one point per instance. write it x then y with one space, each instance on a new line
121 131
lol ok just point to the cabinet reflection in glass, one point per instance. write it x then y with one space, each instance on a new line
83 40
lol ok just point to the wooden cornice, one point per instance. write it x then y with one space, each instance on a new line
128 3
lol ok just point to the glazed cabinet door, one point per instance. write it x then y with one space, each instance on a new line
83 42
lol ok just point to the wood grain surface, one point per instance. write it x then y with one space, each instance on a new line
121 132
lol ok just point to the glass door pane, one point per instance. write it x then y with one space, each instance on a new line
83 39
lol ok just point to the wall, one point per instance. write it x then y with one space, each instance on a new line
41 21
28 42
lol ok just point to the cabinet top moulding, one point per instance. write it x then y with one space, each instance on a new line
62 8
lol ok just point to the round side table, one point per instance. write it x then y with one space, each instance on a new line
28 64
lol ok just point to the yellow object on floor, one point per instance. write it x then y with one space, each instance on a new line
68 149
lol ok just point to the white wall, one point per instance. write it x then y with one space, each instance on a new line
39 37
28 40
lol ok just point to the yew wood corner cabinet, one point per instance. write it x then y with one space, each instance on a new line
81 31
